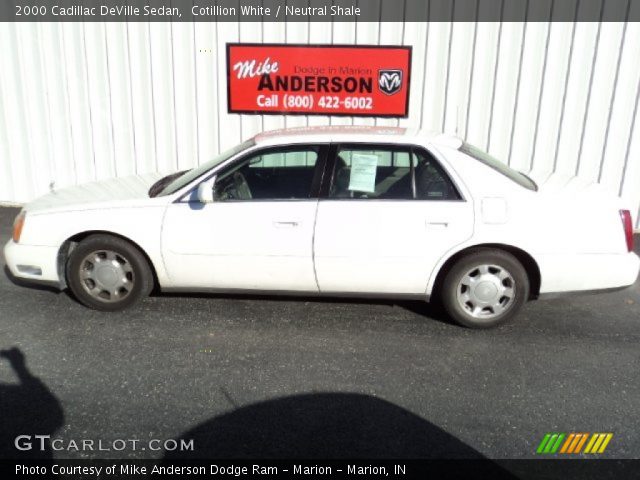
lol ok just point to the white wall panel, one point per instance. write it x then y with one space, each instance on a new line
118 65
80 102
80 115
163 94
142 105
505 90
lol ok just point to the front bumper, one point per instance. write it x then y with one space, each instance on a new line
38 264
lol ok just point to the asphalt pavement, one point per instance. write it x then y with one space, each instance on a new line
258 376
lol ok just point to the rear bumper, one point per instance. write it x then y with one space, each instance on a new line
37 264
552 295
588 272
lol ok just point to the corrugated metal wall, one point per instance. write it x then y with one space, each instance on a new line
80 102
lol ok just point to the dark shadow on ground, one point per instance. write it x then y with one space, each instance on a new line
26 408
322 426
431 310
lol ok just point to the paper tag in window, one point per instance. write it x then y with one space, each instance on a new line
363 173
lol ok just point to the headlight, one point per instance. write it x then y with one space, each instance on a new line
17 226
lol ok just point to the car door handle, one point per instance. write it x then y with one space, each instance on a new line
437 224
286 223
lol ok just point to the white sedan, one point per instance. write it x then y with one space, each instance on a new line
357 211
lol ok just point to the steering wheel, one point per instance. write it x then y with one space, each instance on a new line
241 186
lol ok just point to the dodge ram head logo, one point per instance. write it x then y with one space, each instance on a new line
389 81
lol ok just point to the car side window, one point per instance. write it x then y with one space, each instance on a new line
370 172
432 182
377 172
280 174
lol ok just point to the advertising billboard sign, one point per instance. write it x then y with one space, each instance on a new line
348 80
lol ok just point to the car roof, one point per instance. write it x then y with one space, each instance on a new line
355 134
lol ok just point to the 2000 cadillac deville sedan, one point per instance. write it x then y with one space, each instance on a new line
354 211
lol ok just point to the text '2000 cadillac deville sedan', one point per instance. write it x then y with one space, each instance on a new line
357 211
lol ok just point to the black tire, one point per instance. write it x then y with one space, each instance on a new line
496 264
139 277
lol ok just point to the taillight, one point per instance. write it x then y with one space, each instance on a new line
625 216
17 226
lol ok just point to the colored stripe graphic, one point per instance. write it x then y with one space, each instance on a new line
550 443
543 443
567 443
598 442
581 443
573 443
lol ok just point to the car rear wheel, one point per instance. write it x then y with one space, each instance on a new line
108 273
485 288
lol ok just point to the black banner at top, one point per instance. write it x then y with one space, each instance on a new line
319 10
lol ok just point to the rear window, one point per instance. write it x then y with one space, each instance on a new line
482 156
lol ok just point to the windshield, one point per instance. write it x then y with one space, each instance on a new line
194 173
483 157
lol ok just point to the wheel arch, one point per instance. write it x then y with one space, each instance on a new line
528 262
70 243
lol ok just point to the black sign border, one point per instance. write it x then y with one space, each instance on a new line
229 45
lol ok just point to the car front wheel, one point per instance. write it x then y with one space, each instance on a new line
485 288
108 273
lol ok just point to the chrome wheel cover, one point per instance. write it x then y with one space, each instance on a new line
486 291
107 276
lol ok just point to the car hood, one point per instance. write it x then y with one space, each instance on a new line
89 195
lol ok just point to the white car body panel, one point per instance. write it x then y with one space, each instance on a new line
125 191
353 254
391 247
243 245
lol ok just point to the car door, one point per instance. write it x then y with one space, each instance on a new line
257 233
388 214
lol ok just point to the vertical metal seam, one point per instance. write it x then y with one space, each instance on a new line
113 135
88 92
495 76
8 164
542 85
195 92
153 99
518 82
133 124
173 98
471 72
68 102
332 24
31 168
594 60
566 88
446 78
613 92
52 157
218 128
11 191
424 66
629 140
404 21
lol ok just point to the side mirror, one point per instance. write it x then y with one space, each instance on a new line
205 191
